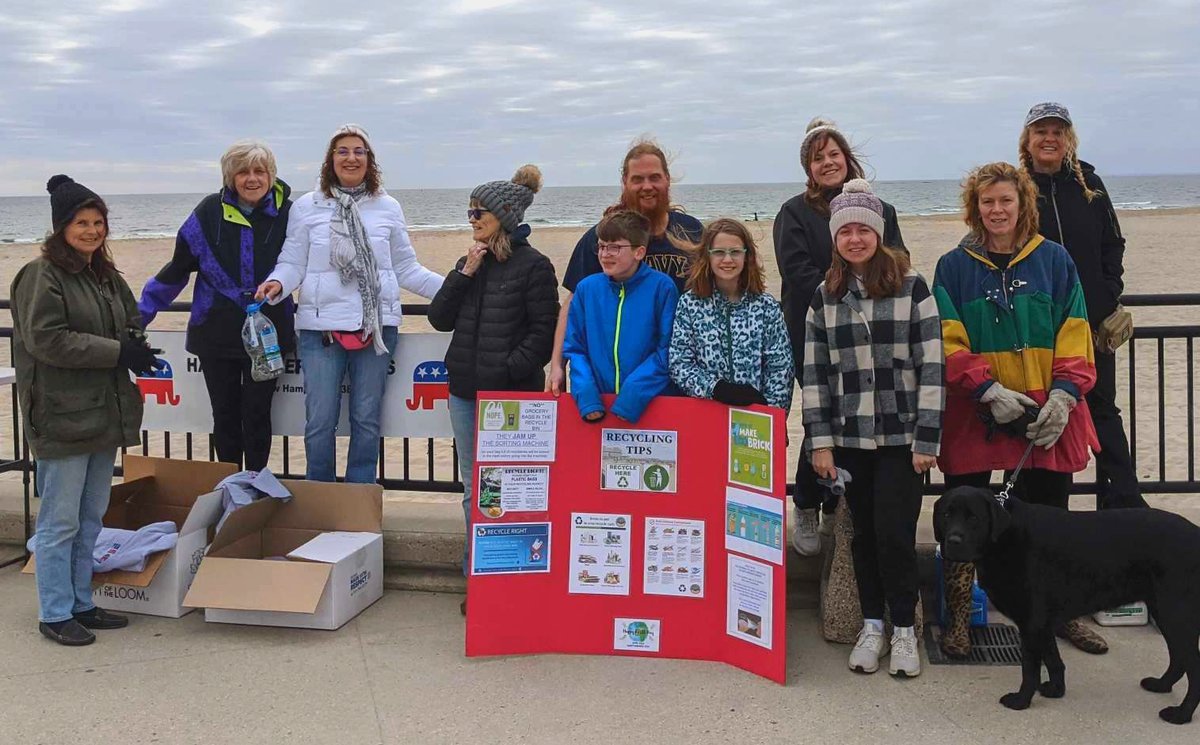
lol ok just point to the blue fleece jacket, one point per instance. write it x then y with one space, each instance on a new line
618 341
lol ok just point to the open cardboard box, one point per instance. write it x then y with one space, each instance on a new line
247 577
154 490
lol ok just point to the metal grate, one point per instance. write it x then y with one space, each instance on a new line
994 644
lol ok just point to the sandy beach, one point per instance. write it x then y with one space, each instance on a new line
1161 245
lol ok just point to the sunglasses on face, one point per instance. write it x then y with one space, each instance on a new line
477 213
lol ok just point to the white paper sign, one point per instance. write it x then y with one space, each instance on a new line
522 431
599 554
754 524
674 563
749 601
414 398
636 634
513 489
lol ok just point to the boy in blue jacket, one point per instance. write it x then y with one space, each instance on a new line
619 325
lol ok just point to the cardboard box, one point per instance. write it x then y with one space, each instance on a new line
247 576
157 489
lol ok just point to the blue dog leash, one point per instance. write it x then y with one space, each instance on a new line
1003 497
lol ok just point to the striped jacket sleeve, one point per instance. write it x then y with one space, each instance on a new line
966 370
1074 366
925 343
817 399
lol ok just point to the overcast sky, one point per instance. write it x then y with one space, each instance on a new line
136 96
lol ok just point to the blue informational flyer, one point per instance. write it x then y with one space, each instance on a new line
510 548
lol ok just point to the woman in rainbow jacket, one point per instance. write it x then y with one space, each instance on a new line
1016 338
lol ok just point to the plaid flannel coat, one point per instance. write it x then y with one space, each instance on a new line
873 370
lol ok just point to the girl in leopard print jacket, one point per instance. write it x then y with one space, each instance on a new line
729 342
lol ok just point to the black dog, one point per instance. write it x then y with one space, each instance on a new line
1043 566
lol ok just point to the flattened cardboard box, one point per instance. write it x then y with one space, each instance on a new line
157 489
245 577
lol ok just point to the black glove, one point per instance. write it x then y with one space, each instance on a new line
737 394
137 357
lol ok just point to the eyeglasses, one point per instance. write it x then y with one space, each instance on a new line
732 253
344 152
611 249
477 214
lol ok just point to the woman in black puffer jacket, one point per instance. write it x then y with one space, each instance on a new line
501 302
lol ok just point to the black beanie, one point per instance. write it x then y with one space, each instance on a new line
66 197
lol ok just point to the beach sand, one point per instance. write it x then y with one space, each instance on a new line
1161 244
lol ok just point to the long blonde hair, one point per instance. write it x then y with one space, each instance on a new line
1071 141
1027 195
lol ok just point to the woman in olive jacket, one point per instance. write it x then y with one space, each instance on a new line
501 302
76 337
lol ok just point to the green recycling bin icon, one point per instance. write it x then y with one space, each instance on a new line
656 478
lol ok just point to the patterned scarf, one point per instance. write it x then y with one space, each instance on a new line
350 253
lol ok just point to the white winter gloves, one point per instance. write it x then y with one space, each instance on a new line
1052 419
1007 405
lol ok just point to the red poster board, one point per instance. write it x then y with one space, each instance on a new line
532 612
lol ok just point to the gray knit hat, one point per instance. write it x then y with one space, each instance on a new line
508 200
1048 110
856 203
816 127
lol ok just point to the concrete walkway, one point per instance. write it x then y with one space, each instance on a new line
397 674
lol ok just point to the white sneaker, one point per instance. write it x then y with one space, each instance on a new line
905 661
827 521
868 649
805 540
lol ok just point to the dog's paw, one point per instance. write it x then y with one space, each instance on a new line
1015 700
1052 689
1175 715
1156 685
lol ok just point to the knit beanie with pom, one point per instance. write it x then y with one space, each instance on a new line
816 127
66 197
856 203
508 200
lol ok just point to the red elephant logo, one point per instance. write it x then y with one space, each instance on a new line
160 384
431 383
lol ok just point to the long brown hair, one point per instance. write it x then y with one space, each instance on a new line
700 278
374 178
60 253
1071 158
884 275
1027 195
816 196
643 146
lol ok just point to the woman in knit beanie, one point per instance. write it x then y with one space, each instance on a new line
501 303
77 336
804 252
873 398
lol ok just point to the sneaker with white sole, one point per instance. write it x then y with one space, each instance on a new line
805 539
871 645
905 661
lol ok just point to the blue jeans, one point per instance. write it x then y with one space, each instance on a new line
74 492
324 367
462 421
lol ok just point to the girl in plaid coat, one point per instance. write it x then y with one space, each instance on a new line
873 399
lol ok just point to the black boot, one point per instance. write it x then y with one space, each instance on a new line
102 620
67 633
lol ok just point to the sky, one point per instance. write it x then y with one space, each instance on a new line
143 96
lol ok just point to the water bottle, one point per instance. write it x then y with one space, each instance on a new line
261 342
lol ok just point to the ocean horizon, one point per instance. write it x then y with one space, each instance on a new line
25 219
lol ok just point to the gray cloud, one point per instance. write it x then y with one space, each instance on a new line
144 95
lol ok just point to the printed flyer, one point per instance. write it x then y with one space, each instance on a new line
750 449
639 460
674 557
521 431
636 634
510 548
748 606
513 489
599 554
754 524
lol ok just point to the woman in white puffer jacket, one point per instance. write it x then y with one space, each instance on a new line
348 252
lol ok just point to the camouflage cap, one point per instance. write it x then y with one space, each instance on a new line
1048 110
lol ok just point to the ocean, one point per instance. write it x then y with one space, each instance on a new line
25 219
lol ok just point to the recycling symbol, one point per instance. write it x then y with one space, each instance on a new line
622 482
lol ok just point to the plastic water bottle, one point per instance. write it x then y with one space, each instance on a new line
261 342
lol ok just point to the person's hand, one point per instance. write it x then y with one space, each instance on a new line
556 379
822 463
475 255
137 357
1052 419
922 463
737 394
593 417
1006 405
268 290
